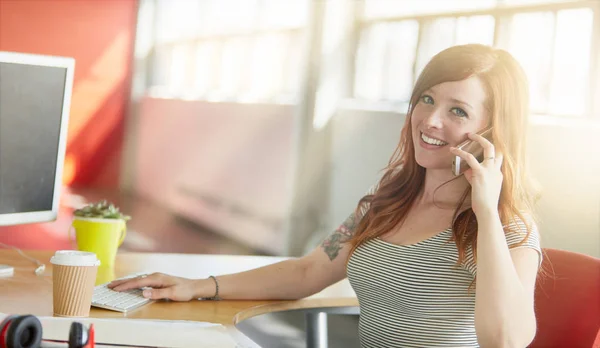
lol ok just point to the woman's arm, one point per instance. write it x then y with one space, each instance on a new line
286 280
504 311
290 279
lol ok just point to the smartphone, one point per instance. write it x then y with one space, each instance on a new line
459 165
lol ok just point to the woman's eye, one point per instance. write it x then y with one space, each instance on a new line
427 99
459 112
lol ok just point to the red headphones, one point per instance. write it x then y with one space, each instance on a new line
25 331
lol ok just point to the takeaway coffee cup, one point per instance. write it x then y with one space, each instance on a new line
73 278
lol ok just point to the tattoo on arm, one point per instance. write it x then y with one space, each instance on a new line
333 243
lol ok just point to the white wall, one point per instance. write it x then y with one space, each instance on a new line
225 166
362 144
565 159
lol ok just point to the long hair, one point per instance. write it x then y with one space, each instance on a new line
507 102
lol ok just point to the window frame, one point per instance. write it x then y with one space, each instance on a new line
192 42
501 13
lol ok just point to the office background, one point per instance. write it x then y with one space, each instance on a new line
254 126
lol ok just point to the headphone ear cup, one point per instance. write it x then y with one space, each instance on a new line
4 325
6 321
24 332
77 335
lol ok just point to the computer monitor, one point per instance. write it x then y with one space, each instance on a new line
35 100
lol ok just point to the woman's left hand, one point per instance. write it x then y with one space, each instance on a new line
485 177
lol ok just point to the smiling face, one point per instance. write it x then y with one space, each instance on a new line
443 117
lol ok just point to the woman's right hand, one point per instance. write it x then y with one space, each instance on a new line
162 286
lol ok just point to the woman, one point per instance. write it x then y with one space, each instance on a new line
435 260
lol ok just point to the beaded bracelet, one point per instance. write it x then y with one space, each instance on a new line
216 296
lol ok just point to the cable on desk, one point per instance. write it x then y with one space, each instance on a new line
40 266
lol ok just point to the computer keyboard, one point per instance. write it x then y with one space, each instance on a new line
124 301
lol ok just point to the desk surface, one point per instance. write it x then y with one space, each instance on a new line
27 293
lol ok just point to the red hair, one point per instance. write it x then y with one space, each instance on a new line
507 102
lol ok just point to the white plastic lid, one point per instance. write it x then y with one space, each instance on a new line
74 258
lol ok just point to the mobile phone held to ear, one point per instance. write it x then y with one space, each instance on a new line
459 165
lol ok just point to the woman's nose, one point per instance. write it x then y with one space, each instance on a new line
434 119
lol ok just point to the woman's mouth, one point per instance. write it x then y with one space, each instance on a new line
432 141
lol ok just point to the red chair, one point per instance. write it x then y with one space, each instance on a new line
567 301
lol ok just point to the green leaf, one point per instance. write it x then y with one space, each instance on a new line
101 209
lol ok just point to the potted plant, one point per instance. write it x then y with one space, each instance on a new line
101 210
100 228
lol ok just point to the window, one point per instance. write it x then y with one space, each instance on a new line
439 34
391 45
228 49
530 41
552 40
379 9
570 78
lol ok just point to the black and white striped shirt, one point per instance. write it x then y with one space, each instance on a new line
416 295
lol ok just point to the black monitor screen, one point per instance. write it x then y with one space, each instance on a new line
31 102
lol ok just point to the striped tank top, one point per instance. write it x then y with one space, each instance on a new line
416 295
